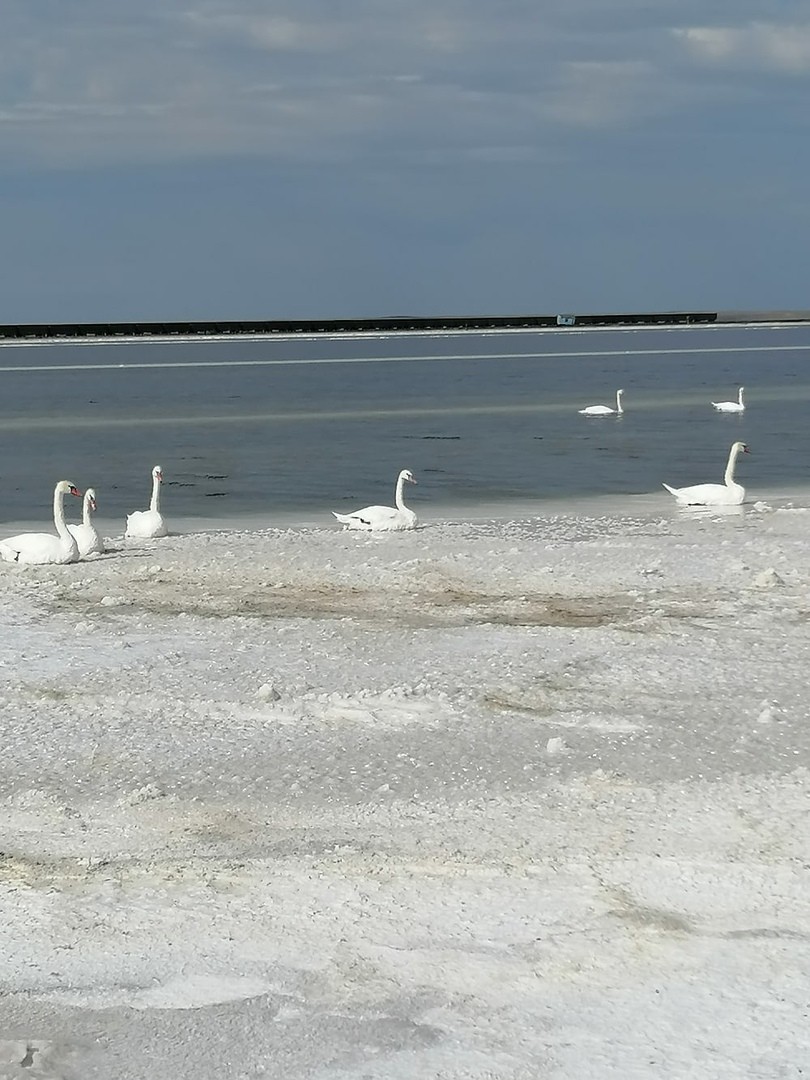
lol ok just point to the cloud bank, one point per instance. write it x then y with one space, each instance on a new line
319 80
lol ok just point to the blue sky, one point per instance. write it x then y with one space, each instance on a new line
239 159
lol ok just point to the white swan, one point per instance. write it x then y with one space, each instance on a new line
43 548
731 406
146 524
384 518
726 494
87 538
604 410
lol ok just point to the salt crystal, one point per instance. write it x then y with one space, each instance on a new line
768 579
267 692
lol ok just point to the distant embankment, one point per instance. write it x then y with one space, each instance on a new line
389 324
12 332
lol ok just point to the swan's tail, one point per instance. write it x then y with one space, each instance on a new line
353 521
672 490
8 554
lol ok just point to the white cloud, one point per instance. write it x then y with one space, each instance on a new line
309 79
767 46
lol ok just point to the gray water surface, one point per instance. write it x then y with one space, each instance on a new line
304 425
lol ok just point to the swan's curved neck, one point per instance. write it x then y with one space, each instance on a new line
619 408
740 396
154 503
732 464
59 515
86 510
398 498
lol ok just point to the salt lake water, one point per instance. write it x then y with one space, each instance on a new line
290 428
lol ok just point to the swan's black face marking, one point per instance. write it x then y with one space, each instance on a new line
75 491
745 449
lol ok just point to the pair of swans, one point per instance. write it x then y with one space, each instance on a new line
41 549
71 542
728 493
737 406
384 518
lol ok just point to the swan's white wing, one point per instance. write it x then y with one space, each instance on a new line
37 549
87 538
353 521
597 410
401 519
146 524
380 518
370 516
709 494
8 553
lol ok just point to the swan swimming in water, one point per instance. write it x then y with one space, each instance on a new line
87 538
147 524
384 518
604 410
39 549
726 494
731 406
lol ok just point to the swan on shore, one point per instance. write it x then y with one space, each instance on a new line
39 549
731 406
728 493
87 537
384 518
148 524
604 410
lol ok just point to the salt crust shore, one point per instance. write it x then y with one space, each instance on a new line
500 799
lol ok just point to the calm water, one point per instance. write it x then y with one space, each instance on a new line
302 426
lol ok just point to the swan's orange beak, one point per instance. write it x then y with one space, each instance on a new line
92 504
746 450
75 491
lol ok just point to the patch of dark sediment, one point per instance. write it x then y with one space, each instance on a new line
454 604
417 608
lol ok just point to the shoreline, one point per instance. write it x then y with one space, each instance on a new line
644 504
349 335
